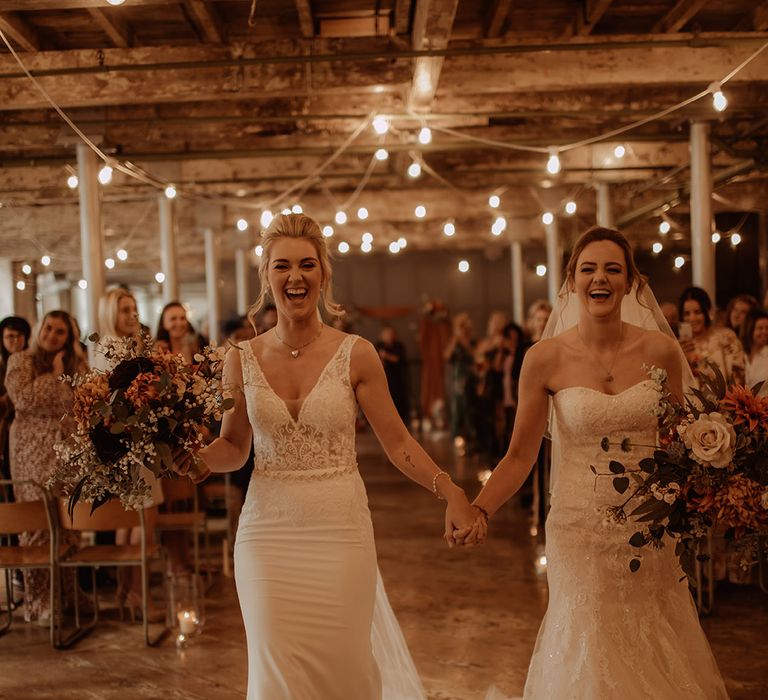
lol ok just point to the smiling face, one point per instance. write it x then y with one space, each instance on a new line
295 277
13 340
175 322
739 313
760 333
127 321
54 334
694 314
600 278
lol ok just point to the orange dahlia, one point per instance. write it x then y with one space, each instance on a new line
736 503
745 407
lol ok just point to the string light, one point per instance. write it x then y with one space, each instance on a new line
394 247
380 125
366 247
83 284
21 285
664 228
45 260
115 2
414 169
159 277
286 211
122 254
109 263
494 201
72 182
381 154
735 239
402 243
719 100
463 266
547 218
367 237
170 192
26 268
498 226
657 247
425 135
449 228
297 209
105 175
327 231
420 211
242 225
258 251
343 247
716 237
570 208
553 164
341 217
362 213
266 218
619 151
541 270
679 261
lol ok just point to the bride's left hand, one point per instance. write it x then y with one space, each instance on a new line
461 522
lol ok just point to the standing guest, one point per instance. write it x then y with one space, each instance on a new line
459 353
670 313
489 356
737 311
513 351
267 319
754 337
708 344
40 401
14 337
237 329
119 318
175 333
538 315
393 357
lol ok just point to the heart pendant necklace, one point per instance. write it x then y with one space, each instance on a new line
296 351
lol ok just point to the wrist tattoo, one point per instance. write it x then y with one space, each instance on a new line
408 460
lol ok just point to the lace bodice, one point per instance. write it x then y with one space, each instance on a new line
320 442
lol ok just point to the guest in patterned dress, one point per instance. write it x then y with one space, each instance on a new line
40 401
737 311
709 344
754 337
14 337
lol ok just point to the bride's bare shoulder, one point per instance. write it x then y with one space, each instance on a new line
658 347
548 350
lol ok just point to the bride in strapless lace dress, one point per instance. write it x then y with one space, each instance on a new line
608 633
317 621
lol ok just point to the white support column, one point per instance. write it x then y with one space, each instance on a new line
242 271
518 282
702 248
604 206
554 261
168 258
7 288
212 282
91 246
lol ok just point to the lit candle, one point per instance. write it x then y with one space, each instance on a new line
187 621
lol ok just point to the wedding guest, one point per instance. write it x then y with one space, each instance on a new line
238 329
709 344
266 319
40 401
14 337
513 352
538 315
175 333
393 357
738 309
490 410
754 337
459 354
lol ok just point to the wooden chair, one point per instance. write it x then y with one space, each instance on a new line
217 495
29 516
111 516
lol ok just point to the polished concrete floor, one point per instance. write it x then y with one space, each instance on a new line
470 617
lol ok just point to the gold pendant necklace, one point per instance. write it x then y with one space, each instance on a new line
295 351
608 372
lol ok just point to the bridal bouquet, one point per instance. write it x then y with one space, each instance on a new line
148 406
709 470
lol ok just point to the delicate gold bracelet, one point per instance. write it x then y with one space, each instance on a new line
483 512
434 482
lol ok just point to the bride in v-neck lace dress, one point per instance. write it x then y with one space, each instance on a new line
317 621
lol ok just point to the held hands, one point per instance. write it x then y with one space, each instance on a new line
465 524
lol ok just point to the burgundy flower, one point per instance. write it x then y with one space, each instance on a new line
127 370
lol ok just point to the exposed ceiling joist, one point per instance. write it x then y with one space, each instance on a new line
495 17
590 14
432 25
206 21
678 16
306 21
114 27
19 32
402 16
760 17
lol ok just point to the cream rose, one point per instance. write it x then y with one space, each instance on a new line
711 439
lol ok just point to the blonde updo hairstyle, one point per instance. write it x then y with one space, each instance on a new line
295 226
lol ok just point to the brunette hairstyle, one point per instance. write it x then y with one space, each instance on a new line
699 295
18 324
74 358
748 329
600 233
295 226
162 332
747 299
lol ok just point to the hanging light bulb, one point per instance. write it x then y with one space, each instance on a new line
553 164
619 151
402 242
381 154
425 135
657 247
266 218
115 2
449 228
362 213
380 125
258 251
547 218
21 285
170 192
716 237
570 208
719 100
541 270
45 260
414 169
463 266
735 239
105 175
394 247
327 231
367 237
72 182
679 261
285 211
26 268
343 247
420 211
664 227
122 254
498 226
159 277
83 284
242 225
297 209
494 201
109 263
341 217
366 246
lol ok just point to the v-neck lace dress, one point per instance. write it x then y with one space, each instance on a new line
305 559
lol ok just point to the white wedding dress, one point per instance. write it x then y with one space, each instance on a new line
317 620
609 633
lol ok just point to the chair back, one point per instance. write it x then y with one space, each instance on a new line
26 516
110 516
181 489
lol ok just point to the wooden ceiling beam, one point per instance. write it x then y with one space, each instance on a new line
402 16
19 32
432 25
114 27
678 16
206 21
590 14
306 21
495 18
760 17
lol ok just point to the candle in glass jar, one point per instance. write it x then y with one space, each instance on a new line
187 621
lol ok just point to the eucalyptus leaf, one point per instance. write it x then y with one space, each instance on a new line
648 465
605 444
616 467
117 428
621 483
637 540
634 565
